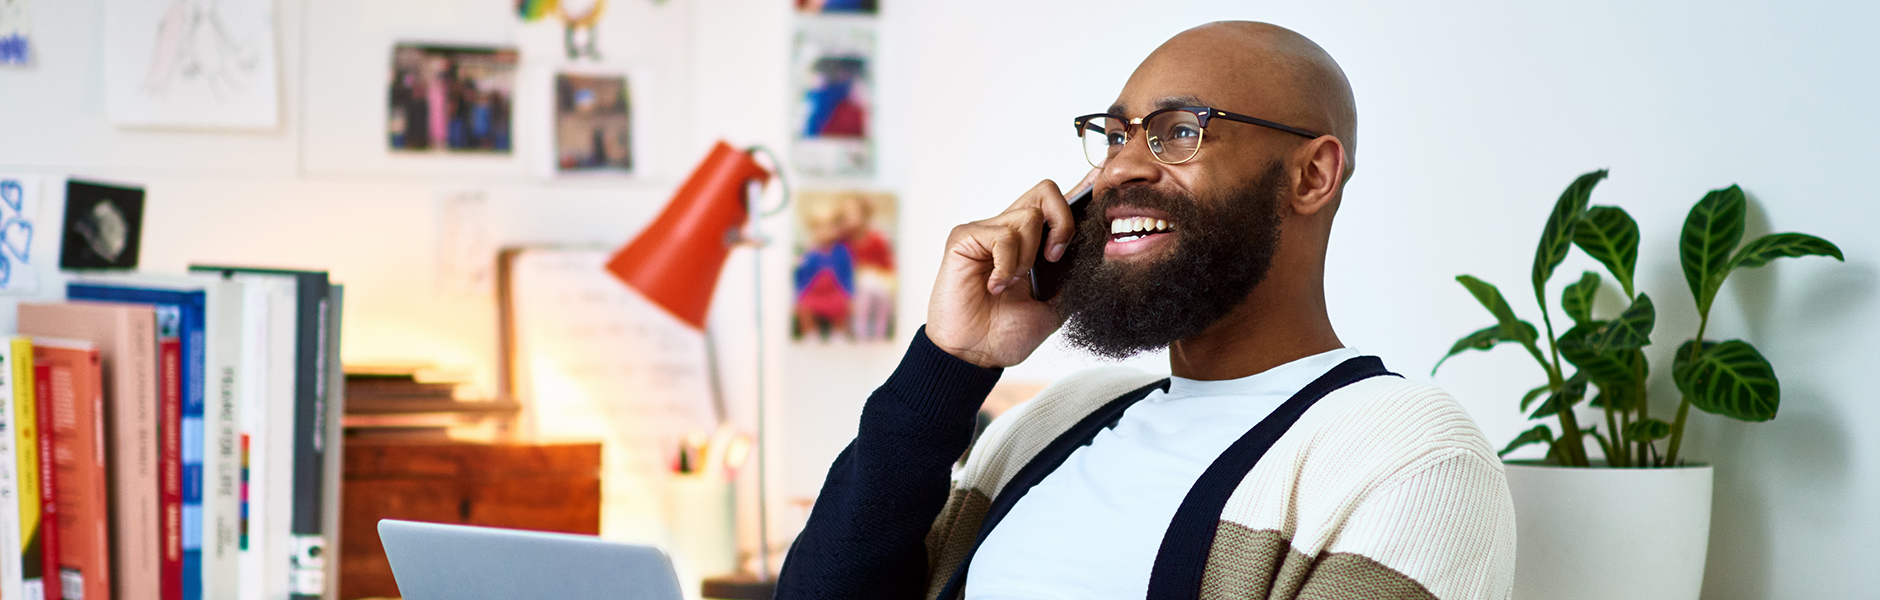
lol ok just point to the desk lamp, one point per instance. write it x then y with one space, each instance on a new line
675 263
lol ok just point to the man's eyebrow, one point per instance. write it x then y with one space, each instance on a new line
1167 102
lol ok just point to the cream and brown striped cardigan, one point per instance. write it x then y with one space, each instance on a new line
1383 489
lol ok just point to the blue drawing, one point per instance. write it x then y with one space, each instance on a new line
17 236
16 233
13 193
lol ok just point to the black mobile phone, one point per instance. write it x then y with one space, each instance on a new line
1046 276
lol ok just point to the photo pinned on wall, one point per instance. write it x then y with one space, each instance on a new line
16 34
834 107
844 276
451 99
593 123
863 7
103 226
19 212
190 63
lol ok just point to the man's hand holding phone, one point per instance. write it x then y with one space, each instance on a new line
982 309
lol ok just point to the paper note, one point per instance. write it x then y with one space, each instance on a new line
595 360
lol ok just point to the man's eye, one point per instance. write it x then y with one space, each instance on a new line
1184 131
1116 138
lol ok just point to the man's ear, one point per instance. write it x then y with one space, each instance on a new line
1319 173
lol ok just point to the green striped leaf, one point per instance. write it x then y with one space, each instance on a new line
1557 237
1728 378
1577 300
1484 339
1532 395
1511 327
1712 231
1632 328
1609 367
1782 245
1610 236
1540 434
1571 393
1647 430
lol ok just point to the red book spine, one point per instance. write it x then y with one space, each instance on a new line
48 493
170 466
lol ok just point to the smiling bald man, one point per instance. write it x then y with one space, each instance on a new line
1275 463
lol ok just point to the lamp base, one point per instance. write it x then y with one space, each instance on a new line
738 586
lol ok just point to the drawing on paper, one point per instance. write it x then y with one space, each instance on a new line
16 32
844 277
191 63
19 209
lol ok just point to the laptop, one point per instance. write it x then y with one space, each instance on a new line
431 561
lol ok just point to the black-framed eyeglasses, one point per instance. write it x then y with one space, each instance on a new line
1174 134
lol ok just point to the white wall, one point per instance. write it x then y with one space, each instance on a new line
1473 116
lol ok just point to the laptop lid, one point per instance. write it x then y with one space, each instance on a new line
432 561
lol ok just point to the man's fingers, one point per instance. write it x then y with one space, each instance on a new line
1015 242
1061 225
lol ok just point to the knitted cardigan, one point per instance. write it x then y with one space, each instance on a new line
1382 489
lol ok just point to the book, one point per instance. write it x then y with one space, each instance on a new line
169 455
126 340
208 429
332 473
74 389
266 396
18 356
49 531
221 459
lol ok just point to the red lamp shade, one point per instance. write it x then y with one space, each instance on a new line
676 260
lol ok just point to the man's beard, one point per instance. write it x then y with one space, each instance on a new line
1222 250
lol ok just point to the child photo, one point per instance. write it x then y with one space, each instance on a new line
449 98
844 279
593 123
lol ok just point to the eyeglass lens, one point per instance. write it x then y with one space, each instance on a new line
1173 137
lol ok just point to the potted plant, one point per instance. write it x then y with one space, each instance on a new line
1637 525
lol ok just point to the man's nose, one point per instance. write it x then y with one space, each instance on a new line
1134 164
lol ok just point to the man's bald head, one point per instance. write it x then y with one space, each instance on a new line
1262 70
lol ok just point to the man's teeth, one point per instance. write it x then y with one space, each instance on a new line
1135 224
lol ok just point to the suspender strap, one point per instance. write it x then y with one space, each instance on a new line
1043 464
1183 557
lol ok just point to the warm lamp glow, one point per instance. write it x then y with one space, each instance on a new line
676 260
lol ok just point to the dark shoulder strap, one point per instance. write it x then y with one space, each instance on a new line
1046 461
1184 553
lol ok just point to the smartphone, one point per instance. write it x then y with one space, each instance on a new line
1047 277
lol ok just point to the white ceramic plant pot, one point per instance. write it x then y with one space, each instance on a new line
1609 534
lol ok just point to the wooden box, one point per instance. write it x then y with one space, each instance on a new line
540 487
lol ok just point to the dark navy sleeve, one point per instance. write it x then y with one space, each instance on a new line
866 536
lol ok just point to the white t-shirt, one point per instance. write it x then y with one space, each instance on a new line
1110 502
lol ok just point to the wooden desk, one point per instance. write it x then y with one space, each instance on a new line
540 487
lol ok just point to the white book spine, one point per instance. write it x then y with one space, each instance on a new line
12 584
222 475
278 530
256 389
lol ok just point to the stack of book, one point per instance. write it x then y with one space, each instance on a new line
397 403
165 437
